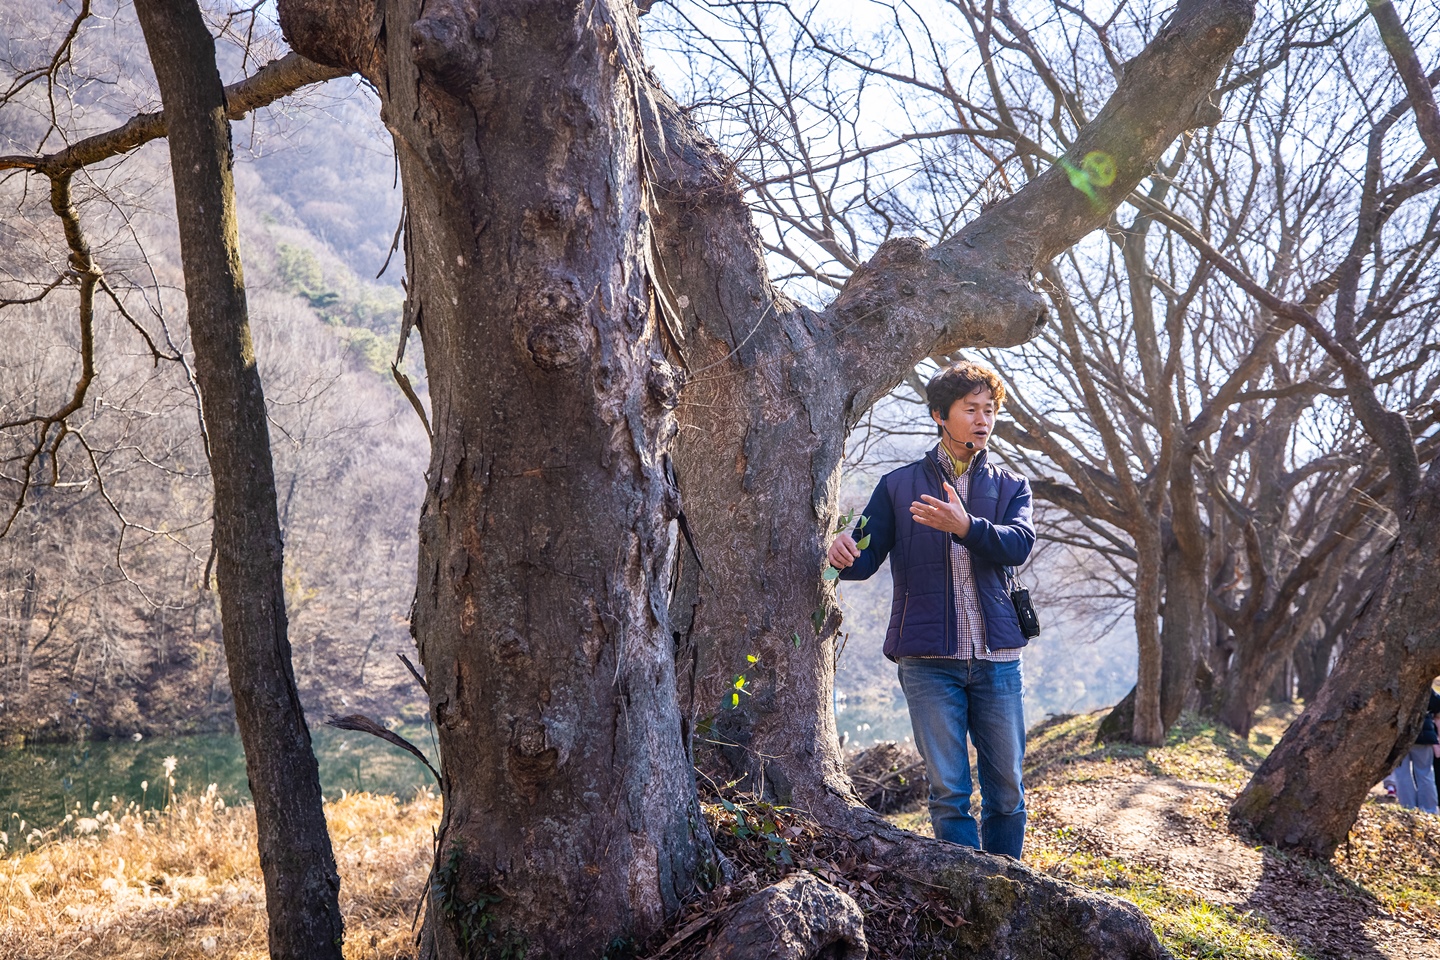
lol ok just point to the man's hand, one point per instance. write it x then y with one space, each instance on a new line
843 551
950 517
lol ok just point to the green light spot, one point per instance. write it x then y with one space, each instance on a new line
1100 166
1079 179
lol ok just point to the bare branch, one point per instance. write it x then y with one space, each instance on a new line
58 60
275 80
1412 74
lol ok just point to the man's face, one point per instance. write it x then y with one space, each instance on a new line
971 418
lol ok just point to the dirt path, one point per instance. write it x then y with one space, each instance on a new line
1176 827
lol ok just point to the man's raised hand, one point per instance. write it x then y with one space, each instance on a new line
950 517
843 552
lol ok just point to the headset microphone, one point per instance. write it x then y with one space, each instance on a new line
969 445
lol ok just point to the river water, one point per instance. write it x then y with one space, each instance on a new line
40 784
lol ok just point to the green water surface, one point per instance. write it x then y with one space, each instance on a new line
40 784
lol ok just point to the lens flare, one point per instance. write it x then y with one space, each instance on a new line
1096 171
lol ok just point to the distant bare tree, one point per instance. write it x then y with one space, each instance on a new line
1368 711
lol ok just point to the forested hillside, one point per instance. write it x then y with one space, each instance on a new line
110 620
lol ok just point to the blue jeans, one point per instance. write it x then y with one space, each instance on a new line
1415 779
952 698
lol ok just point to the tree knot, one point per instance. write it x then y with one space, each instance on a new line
552 321
450 45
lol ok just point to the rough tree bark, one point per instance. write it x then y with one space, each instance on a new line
1312 662
570 813
1148 725
1182 622
301 883
1184 631
1350 598
799 918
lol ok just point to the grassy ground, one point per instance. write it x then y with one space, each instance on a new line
185 882
1392 854
1392 862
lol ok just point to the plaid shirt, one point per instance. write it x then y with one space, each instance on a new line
969 623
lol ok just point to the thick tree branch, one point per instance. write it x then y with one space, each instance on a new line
1412 74
274 81
763 375
972 290
1155 102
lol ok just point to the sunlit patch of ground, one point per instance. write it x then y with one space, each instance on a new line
1149 825
185 882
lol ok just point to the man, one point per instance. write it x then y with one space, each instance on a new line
951 523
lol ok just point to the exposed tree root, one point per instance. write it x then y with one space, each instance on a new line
920 897
1010 911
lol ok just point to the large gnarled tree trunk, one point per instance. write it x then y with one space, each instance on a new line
301 883
570 809
772 389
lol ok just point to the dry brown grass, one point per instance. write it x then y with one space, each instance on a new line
185 883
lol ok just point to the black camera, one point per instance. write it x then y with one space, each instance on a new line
1025 612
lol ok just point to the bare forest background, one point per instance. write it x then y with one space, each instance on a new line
1270 518
1212 230
110 625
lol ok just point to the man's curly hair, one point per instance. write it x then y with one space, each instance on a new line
960 380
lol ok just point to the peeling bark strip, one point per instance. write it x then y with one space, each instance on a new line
301 883
570 811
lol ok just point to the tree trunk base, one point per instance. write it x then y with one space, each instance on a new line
1119 723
